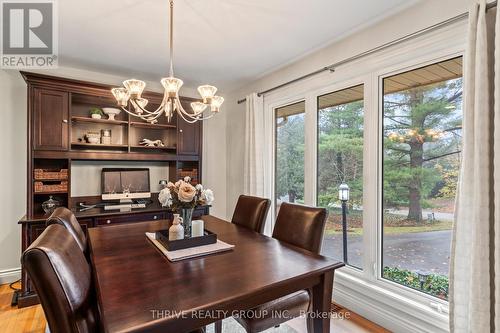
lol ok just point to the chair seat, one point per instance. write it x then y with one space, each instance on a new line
275 312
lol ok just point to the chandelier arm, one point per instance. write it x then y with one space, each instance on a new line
182 110
183 114
195 117
158 110
133 114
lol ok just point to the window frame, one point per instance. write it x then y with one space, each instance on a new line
394 286
364 264
275 148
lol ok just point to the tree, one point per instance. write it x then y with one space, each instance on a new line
421 125
290 158
340 152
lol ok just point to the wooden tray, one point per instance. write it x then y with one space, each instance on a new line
179 244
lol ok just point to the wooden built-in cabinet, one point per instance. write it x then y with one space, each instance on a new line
50 119
58 119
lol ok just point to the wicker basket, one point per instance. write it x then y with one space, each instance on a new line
47 174
41 187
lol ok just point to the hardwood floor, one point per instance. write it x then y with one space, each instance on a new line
32 319
14 320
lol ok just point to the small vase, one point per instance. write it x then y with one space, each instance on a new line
187 216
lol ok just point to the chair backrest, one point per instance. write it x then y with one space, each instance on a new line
251 212
62 279
301 226
67 219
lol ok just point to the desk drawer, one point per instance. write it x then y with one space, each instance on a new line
110 220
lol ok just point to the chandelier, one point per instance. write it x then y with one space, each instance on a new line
129 98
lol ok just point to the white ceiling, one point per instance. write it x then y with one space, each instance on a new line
223 42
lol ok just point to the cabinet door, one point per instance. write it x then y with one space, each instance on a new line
188 137
50 119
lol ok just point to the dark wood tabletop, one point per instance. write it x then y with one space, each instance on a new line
139 290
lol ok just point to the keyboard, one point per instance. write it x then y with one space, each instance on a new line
125 206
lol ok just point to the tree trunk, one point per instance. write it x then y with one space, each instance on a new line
291 196
415 195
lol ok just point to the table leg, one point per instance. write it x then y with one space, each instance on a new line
321 303
218 326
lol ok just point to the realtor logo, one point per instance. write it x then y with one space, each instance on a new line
29 37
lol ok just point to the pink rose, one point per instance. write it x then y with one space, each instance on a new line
186 192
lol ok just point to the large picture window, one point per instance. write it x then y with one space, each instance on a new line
422 122
340 161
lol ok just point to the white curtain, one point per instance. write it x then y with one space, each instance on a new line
475 262
255 146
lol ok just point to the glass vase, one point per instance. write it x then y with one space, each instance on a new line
187 218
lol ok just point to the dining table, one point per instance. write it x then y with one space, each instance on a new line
139 290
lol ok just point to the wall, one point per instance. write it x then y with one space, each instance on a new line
13 133
86 175
422 15
12 171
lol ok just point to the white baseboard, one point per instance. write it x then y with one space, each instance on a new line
10 275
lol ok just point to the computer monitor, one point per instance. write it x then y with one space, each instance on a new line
125 184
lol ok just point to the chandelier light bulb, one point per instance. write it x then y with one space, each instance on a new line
121 95
207 92
216 103
198 107
171 85
135 87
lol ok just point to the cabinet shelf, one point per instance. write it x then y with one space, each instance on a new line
155 126
50 192
98 121
153 148
97 145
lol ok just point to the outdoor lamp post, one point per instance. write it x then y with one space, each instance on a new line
344 197
422 278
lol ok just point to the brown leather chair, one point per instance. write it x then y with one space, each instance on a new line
303 227
62 279
251 212
67 219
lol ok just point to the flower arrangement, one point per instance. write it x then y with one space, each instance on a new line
184 195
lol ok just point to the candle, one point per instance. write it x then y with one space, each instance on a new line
197 228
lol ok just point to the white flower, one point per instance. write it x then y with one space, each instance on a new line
187 179
165 197
179 183
170 184
208 196
199 187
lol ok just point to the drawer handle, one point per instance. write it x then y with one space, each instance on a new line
65 121
108 221
180 131
155 217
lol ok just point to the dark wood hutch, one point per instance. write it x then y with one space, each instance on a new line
58 117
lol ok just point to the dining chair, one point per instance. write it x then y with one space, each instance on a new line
67 219
302 227
251 212
62 278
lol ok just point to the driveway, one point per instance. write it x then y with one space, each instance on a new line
425 251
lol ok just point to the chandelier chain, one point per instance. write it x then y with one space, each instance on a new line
171 38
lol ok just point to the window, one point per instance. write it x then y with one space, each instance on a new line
340 161
422 121
290 142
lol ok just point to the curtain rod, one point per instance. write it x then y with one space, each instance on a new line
400 40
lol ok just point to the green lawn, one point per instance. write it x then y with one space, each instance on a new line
336 229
